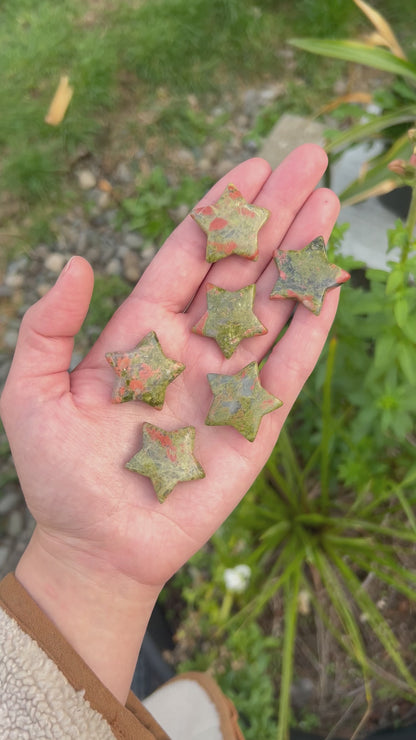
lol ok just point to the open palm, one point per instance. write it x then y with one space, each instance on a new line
70 442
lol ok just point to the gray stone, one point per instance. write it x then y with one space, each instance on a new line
14 281
147 254
15 523
178 214
40 252
133 240
224 166
6 291
103 200
4 554
18 265
204 165
122 173
10 338
42 288
8 501
289 132
131 267
185 158
113 267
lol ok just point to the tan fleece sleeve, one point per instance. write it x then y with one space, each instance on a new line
130 722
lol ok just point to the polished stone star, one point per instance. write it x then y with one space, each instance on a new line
231 225
166 458
306 275
240 401
144 373
230 317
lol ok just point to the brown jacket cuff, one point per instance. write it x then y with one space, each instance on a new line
130 722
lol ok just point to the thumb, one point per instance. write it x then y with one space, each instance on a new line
46 337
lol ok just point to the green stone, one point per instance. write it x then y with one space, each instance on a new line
144 373
306 275
229 318
166 458
231 225
240 401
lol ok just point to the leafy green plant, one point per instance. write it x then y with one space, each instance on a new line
397 103
334 505
151 209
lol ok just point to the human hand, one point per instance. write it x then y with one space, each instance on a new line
69 441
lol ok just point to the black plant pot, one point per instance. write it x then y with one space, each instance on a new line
398 202
405 733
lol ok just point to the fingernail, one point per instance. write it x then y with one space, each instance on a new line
66 268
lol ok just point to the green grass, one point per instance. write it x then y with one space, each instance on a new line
129 50
125 50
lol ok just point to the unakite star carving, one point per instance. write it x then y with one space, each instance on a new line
240 401
144 373
231 225
230 317
166 458
306 275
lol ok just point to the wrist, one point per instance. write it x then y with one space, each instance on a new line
101 613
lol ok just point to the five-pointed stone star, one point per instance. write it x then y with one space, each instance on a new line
240 401
231 225
166 458
230 317
143 373
306 275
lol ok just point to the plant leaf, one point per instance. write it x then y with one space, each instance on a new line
406 355
401 311
292 588
376 125
375 620
355 51
383 28
376 177
342 607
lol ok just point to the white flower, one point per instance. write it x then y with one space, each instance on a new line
237 579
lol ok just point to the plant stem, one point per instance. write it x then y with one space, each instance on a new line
291 613
410 225
326 425
226 605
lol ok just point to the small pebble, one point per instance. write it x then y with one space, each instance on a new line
6 291
103 200
10 338
147 253
113 267
15 280
133 240
122 173
8 501
86 179
4 554
42 289
223 167
55 262
131 267
15 523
